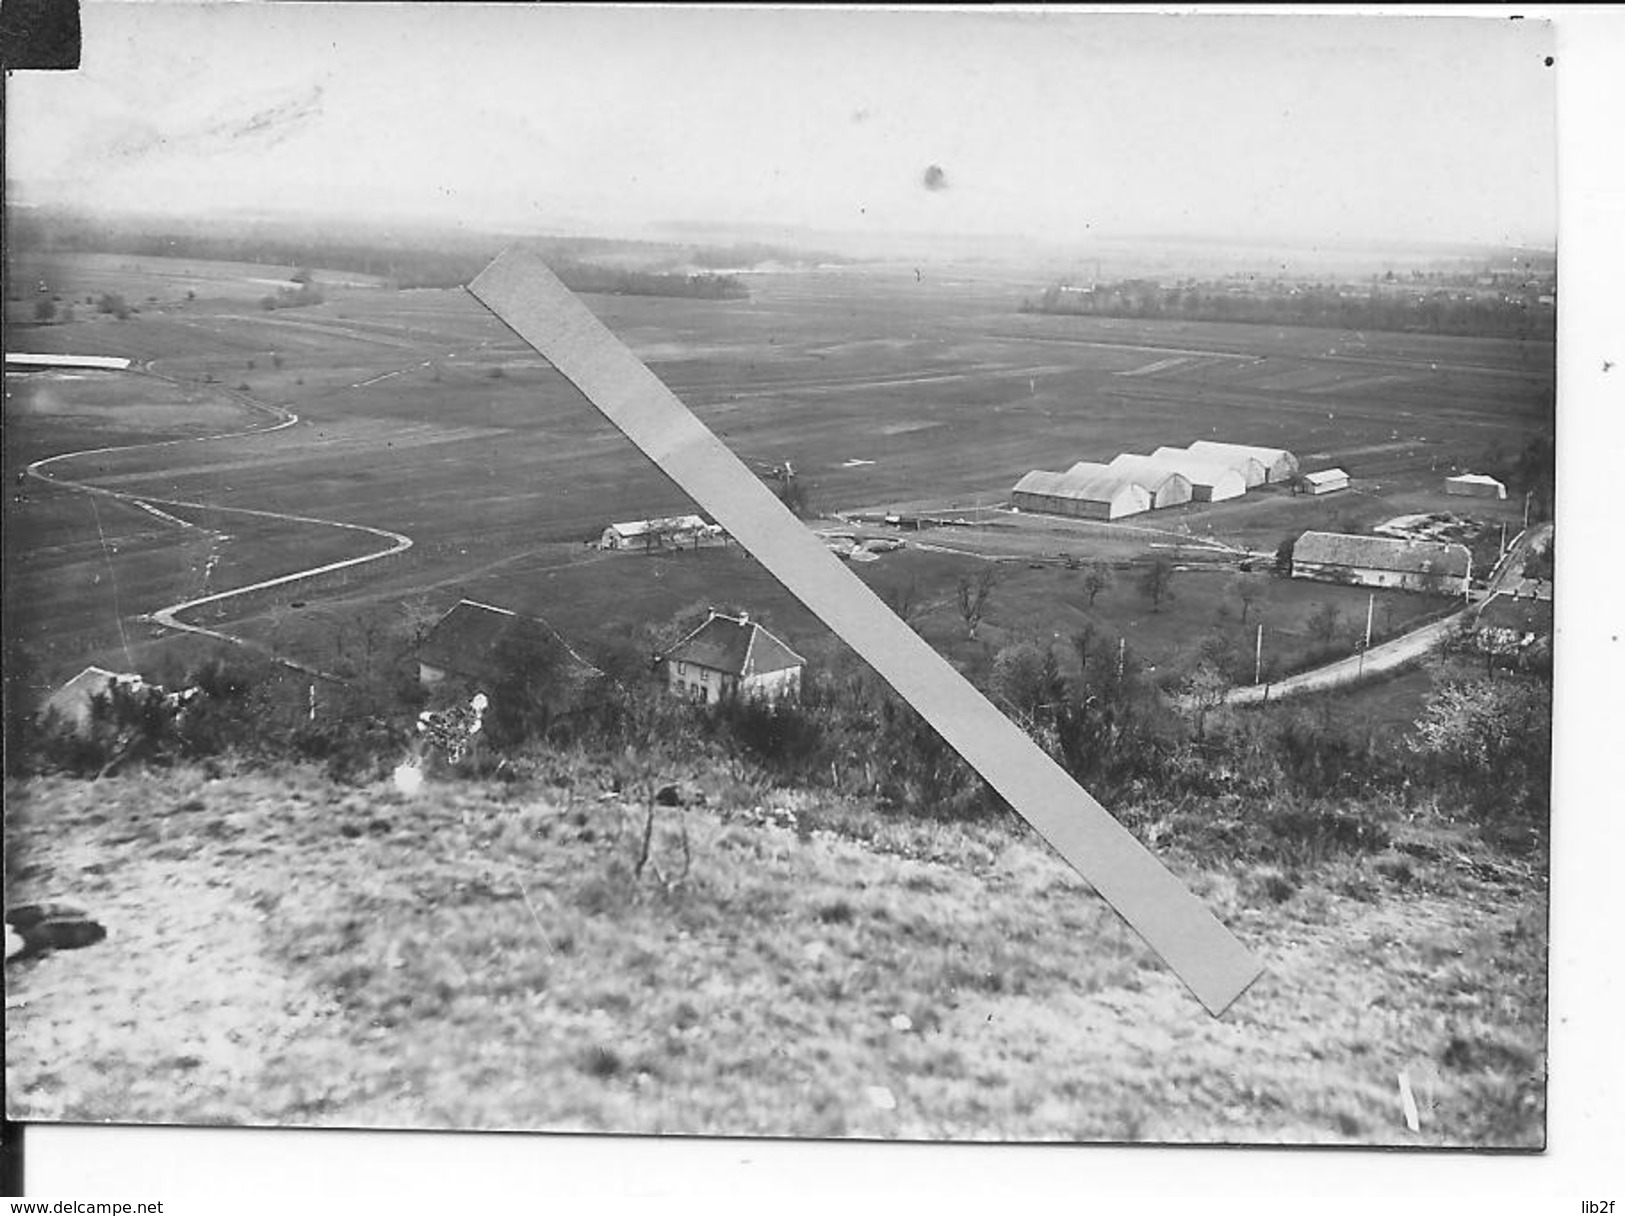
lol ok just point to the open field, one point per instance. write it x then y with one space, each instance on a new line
420 414
485 958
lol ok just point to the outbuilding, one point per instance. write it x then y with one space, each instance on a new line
1326 481
1475 485
653 533
1378 561
732 656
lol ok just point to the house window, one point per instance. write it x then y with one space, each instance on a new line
682 669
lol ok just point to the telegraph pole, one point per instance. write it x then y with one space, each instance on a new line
1370 611
1258 656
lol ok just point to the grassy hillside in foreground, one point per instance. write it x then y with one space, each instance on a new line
285 950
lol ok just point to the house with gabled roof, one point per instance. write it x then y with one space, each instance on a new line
730 656
467 645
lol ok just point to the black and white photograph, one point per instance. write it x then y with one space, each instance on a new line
850 574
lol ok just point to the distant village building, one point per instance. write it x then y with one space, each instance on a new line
1168 486
641 533
1378 561
1326 481
1277 464
467 644
1086 491
1475 485
1211 480
733 657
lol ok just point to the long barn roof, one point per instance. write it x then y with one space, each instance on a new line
1382 553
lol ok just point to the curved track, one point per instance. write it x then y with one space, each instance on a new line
169 615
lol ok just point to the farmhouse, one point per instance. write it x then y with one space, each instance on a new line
1277 464
1086 491
733 657
654 532
1210 480
1475 485
1377 561
1326 481
1168 486
468 645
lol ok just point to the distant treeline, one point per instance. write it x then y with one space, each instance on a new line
413 259
1433 312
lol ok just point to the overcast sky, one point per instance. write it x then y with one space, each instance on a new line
1061 126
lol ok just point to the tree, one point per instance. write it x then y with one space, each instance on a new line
905 600
1027 679
1492 741
1248 593
1283 554
1324 622
973 597
1096 579
113 303
1156 584
531 686
1207 688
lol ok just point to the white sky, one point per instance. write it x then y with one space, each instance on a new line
1322 129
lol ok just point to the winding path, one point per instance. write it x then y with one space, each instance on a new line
169 615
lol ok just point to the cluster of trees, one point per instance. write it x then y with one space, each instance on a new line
1434 312
303 295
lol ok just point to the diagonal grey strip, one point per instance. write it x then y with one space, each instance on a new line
523 293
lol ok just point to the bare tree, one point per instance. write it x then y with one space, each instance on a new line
905 600
1096 579
1157 583
973 597
1248 593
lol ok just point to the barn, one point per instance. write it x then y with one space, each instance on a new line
731 656
1169 487
1086 491
1475 485
1277 464
1378 561
1326 481
467 644
641 533
1210 480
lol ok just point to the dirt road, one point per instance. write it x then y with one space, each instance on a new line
1401 650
